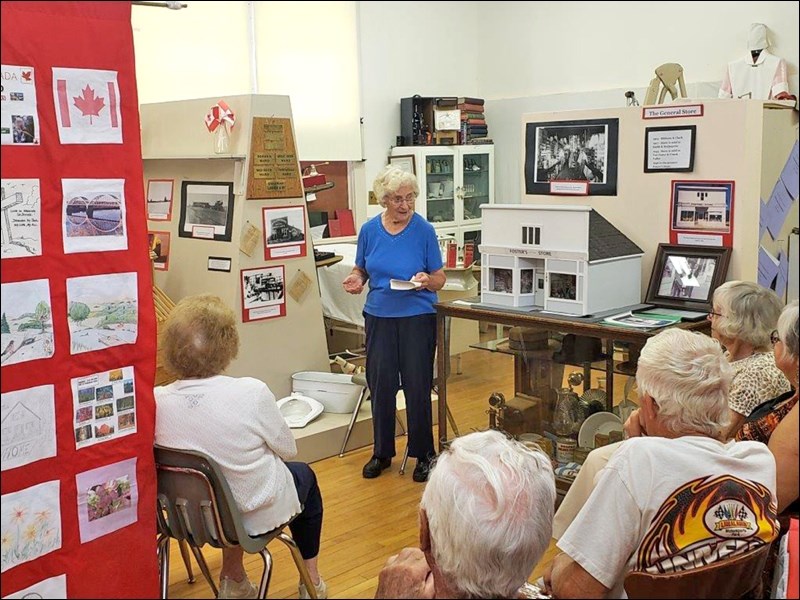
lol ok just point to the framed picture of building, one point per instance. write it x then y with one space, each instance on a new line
284 231
701 213
206 210
572 157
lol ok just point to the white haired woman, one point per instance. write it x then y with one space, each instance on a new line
236 421
743 317
661 505
485 521
400 324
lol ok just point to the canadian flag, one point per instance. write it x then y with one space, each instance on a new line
87 106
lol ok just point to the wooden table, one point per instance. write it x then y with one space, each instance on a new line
563 324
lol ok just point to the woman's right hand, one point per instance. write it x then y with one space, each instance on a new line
634 426
353 284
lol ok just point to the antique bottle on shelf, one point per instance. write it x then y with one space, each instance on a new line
566 423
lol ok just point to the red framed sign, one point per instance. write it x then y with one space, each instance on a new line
701 213
263 293
284 231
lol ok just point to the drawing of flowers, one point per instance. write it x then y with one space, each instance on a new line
107 498
27 538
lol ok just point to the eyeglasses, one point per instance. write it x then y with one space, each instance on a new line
713 314
774 337
398 200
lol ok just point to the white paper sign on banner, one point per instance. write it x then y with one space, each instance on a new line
29 426
93 215
30 521
87 105
54 587
19 118
22 215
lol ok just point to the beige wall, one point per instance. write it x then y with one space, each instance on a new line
176 145
728 147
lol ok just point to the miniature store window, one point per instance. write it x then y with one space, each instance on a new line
531 235
501 280
563 286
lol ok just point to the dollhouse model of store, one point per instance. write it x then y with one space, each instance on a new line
565 259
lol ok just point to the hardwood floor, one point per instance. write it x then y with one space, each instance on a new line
366 521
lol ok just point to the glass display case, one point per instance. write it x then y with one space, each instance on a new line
454 182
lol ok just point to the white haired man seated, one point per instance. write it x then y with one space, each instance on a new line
677 498
485 521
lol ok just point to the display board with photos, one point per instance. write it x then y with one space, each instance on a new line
77 335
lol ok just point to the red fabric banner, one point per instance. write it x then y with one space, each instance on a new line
86 132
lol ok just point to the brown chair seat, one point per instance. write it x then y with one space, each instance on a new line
737 577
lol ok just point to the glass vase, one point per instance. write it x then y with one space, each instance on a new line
222 139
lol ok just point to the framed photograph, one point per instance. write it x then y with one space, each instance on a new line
701 213
668 149
263 293
159 199
404 162
685 277
159 249
284 231
206 210
582 151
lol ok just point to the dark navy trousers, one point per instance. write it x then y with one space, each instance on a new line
307 526
400 352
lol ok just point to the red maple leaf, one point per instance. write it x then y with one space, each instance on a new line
89 104
26 75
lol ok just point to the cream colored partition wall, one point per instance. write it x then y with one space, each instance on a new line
747 141
176 145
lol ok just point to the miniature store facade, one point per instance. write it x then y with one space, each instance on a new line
566 259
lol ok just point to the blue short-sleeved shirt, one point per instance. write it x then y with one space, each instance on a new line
385 256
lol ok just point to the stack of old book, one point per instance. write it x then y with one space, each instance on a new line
473 121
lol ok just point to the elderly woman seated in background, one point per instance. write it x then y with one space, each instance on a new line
236 421
743 317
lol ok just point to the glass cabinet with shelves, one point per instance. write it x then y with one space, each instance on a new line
454 182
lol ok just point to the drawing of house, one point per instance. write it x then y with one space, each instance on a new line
565 259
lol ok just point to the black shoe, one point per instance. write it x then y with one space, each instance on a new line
375 466
424 465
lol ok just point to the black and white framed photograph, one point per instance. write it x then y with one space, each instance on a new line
669 149
284 232
206 210
582 151
685 277
701 213
263 293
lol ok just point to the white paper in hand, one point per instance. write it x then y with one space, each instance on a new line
402 284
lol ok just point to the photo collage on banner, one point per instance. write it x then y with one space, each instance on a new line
54 183
19 120
104 405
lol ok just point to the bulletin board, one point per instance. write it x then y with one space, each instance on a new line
78 323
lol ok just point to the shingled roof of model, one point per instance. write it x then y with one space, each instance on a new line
606 241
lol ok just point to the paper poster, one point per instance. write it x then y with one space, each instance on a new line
26 324
249 238
104 406
29 426
284 232
777 209
93 215
768 268
21 221
263 293
87 105
54 587
102 311
159 249
107 499
30 523
19 121
159 199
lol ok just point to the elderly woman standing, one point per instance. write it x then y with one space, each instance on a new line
236 421
744 315
400 324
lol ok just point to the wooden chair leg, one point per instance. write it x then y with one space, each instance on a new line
187 560
298 561
201 562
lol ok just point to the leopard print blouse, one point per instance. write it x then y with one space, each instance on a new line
756 379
